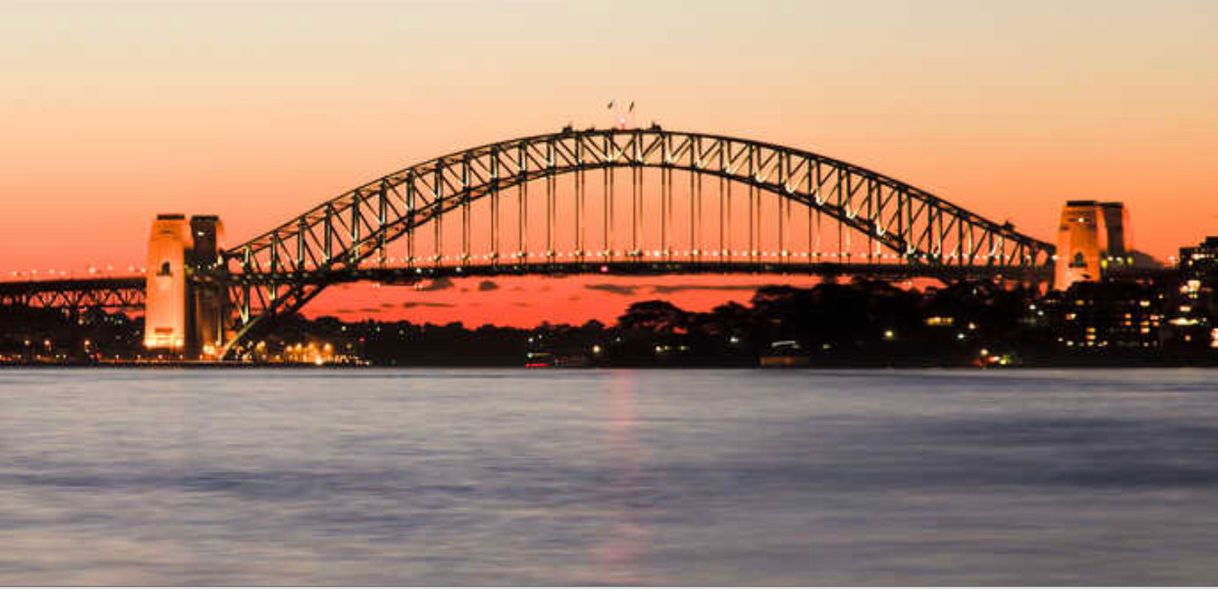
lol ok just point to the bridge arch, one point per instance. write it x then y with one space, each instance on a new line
279 271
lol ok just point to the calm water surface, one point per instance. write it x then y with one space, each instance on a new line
588 477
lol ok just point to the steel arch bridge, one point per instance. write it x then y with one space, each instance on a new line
801 212
281 270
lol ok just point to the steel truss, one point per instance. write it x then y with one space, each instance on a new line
93 293
281 270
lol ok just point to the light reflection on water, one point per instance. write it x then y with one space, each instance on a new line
619 552
620 477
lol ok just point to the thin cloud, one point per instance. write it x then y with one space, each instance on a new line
617 289
671 288
441 283
632 289
413 304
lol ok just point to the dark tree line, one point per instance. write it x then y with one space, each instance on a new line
855 323
851 323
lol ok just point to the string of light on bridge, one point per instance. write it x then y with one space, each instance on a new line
519 257
92 271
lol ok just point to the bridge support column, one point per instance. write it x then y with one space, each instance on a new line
1092 234
207 299
166 287
184 314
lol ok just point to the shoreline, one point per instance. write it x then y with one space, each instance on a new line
186 365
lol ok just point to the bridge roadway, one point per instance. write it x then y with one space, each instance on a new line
410 275
127 292
113 293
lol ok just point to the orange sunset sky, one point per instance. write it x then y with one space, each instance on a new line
112 112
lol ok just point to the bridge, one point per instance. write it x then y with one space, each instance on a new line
659 202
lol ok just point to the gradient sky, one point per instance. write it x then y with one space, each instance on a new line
112 112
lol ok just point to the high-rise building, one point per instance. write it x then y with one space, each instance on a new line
1200 261
1194 318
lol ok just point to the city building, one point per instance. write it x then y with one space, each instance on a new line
1194 310
1200 260
1106 316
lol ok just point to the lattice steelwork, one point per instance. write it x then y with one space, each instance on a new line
100 293
279 271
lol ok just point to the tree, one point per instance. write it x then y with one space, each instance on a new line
661 317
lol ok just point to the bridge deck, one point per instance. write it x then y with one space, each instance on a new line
65 284
117 291
637 268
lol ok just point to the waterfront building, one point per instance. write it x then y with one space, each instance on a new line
1106 316
1194 310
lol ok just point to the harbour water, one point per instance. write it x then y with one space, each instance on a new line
622 477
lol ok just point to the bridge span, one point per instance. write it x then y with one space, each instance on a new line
621 201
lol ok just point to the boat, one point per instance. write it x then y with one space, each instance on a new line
785 354
549 360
